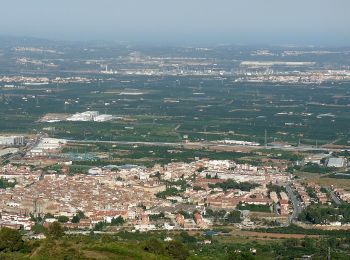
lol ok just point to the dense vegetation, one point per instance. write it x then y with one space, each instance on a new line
168 192
252 207
118 221
232 184
234 217
295 229
276 188
10 240
314 168
225 110
6 184
176 245
324 214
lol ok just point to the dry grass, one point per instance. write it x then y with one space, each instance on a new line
320 180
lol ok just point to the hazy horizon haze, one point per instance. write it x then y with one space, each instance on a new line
322 22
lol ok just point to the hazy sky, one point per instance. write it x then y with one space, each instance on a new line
177 21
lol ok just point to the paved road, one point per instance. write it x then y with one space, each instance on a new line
206 144
128 143
334 197
296 204
22 151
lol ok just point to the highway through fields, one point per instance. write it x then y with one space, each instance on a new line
208 144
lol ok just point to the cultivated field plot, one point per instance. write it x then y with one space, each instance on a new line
197 109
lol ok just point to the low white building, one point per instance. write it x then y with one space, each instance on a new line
336 162
85 116
95 171
12 140
145 227
47 145
103 118
169 226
